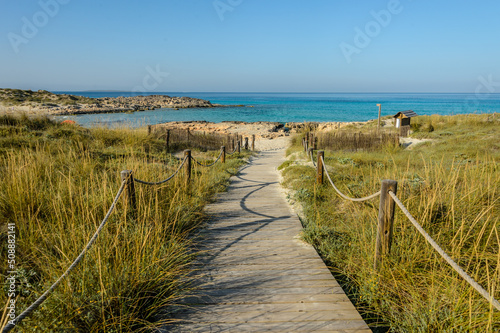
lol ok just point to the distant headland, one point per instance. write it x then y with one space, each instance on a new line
43 102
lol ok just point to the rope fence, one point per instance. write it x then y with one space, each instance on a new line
127 185
388 200
374 195
237 148
46 294
162 181
443 254
211 164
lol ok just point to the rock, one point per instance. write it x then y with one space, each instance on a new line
44 102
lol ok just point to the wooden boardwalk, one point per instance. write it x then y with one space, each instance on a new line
255 274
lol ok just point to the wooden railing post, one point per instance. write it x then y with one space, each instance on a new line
385 221
128 177
319 164
149 129
187 166
167 139
246 143
253 142
315 143
223 156
307 142
229 142
309 152
238 147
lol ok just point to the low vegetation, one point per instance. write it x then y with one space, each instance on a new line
451 185
354 141
58 181
16 97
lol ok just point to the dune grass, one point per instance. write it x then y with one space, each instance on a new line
58 181
451 185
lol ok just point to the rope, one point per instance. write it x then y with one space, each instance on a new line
42 298
165 180
445 256
312 158
208 165
234 151
374 195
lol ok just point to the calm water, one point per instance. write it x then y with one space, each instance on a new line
296 107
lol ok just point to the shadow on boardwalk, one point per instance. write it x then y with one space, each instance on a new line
253 273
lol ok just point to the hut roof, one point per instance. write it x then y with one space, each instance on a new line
406 114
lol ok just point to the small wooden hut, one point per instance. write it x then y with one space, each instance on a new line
403 118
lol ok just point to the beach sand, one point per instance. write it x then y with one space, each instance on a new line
268 135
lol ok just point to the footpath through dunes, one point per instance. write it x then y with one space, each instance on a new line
254 273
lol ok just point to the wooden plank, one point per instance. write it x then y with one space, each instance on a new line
238 262
263 283
252 226
259 279
347 326
293 273
238 256
265 298
273 317
248 252
274 291
263 267
270 307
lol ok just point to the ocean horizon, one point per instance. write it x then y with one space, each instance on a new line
292 107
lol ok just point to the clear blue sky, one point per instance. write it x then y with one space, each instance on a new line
249 45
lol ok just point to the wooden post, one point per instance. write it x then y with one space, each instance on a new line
253 142
167 139
187 155
307 142
229 142
149 129
223 157
238 147
128 177
309 152
315 143
246 143
319 170
379 113
385 221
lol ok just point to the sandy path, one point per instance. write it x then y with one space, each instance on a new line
273 144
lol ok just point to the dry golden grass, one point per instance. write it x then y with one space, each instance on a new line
58 181
451 185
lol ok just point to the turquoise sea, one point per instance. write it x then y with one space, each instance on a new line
296 107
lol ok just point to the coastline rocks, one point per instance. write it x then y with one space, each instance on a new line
44 102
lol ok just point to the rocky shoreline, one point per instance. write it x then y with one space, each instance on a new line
42 102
